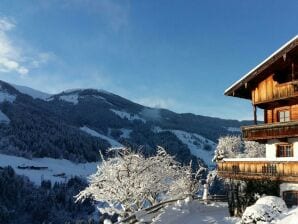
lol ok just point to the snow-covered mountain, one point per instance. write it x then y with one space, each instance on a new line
76 124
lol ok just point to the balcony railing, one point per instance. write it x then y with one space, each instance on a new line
279 92
260 168
270 131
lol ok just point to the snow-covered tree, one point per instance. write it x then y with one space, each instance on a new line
130 180
188 183
254 149
228 147
234 147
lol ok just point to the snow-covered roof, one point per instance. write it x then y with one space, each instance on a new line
254 72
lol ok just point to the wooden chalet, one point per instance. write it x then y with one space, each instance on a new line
273 87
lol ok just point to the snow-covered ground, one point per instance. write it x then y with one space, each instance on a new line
4 96
54 167
195 212
126 115
290 217
112 141
71 98
35 94
233 129
4 118
125 133
198 145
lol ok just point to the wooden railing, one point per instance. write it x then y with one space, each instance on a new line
254 170
270 131
280 91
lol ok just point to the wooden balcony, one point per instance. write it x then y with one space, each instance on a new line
259 169
270 131
275 93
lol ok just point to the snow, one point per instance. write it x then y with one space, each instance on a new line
126 115
258 214
55 166
72 90
71 98
80 89
288 187
125 133
102 99
195 143
274 202
112 142
195 212
233 129
289 217
4 118
4 96
282 159
35 94
265 210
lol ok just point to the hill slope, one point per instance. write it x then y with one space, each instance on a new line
75 124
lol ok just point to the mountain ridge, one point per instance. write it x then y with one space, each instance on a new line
40 125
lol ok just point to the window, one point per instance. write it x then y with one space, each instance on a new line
269 169
283 116
291 198
284 150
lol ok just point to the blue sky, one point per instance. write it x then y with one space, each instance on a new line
179 55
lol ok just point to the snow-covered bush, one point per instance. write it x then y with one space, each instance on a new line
254 149
235 147
276 203
130 180
264 210
228 147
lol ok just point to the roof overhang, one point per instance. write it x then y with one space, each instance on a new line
241 87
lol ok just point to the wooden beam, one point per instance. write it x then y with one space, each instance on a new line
293 71
255 114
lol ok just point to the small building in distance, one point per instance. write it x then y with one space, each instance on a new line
273 87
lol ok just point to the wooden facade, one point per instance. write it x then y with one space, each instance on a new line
271 114
270 131
257 170
273 87
269 90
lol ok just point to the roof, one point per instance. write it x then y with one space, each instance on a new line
284 49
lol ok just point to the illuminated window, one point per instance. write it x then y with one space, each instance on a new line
284 116
284 150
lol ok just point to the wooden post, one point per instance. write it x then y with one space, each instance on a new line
255 114
293 71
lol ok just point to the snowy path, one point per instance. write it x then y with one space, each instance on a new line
196 213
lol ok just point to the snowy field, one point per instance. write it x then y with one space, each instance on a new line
58 170
195 212
91 132
195 143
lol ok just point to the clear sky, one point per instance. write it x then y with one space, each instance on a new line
175 54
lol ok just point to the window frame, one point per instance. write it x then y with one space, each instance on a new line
284 150
284 117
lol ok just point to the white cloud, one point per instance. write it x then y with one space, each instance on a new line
6 24
156 102
12 57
